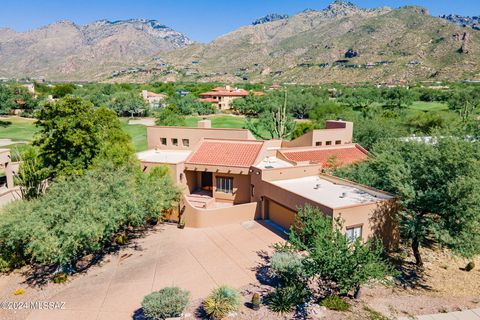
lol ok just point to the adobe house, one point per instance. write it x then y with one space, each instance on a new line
222 98
228 176
154 100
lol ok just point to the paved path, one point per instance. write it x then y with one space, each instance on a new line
194 259
458 315
143 121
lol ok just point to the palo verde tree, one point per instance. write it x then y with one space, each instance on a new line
333 258
438 184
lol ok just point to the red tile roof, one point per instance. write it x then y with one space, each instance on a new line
208 100
225 92
229 153
342 155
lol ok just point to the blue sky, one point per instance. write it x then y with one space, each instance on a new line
202 20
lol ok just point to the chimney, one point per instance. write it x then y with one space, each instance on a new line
204 124
144 94
228 88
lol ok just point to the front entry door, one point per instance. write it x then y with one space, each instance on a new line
207 181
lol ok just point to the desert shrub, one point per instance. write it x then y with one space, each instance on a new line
287 266
285 299
81 214
332 257
335 303
221 302
167 303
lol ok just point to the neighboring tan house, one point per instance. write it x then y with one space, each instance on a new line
223 97
8 191
154 100
228 176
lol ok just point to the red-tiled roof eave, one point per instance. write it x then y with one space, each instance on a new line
341 154
227 153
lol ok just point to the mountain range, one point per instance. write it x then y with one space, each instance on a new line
65 50
341 43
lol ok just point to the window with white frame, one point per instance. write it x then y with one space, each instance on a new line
225 184
354 232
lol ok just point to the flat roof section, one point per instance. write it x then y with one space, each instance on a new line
164 156
328 193
273 163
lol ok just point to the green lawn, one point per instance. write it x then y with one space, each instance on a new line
429 106
222 121
21 129
138 133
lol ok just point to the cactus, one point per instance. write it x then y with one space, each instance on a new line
256 301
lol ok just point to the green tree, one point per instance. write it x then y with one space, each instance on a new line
115 145
168 117
23 98
397 97
127 103
62 90
68 139
465 102
7 101
438 184
325 111
301 128
360 99
331 256
251 105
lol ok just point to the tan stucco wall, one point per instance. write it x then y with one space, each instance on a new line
194 135
335 131
288 173
10 170
204 218
241 189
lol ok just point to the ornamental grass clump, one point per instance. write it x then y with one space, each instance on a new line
221 302
169 302
335 303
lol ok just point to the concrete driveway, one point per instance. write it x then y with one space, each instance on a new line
194 259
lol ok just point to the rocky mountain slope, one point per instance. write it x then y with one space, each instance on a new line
66 51
472 22
340 43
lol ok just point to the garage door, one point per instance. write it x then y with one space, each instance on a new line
280 215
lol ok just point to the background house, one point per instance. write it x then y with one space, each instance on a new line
223 97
